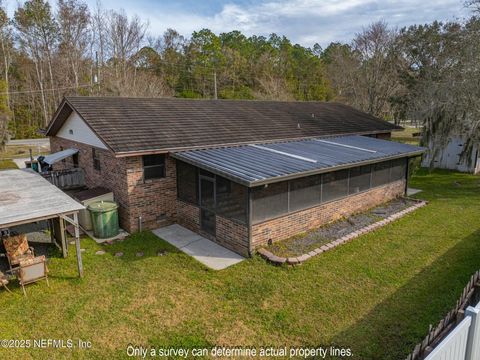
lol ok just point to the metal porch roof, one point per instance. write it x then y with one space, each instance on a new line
60 155
26 196
258 164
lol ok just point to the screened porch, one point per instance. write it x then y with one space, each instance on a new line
254 183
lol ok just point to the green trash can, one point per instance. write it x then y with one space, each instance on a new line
104 216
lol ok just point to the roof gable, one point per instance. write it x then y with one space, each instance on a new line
74 128
134 125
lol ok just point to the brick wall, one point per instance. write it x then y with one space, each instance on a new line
188 216
154 200
112 174
230 234
286 226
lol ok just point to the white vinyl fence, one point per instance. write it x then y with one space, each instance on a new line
463 342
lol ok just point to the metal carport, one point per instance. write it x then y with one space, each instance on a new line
26 197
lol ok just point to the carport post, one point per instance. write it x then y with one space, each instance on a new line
77 245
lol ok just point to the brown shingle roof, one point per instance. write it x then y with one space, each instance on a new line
147 124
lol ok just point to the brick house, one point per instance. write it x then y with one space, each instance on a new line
242 173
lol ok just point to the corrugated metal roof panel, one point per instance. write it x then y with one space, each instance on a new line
264 163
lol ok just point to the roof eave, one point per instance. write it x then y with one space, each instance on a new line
54 117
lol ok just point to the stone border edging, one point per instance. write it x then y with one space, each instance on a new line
278 260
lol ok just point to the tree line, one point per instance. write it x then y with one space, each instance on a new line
424 73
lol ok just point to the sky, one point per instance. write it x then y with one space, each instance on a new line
303 21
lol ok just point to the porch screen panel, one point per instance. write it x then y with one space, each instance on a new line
359 179
232 200
399 169
305 192
187 185
381 173
334 185
270 201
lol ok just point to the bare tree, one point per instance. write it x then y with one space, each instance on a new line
126 38
376 51
37 33
74 28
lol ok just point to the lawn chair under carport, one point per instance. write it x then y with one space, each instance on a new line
32 270
17 249
27 197
4 281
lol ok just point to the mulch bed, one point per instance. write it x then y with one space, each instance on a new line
306 242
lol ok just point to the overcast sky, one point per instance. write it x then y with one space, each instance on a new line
303 21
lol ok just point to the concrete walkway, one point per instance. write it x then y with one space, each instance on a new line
207 252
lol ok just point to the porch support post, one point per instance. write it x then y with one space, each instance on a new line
77 245
63 237
407 170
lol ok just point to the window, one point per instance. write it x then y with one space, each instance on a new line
75 160
335 185
187 184
270 201
63 160
305 192
359 179
399 169
96 159
381 173
153 166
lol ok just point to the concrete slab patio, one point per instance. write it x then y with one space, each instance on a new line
203 250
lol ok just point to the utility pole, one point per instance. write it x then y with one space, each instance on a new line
215 85
97 75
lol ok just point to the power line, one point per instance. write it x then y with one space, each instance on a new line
51 89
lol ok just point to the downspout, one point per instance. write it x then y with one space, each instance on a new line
249 219
406 176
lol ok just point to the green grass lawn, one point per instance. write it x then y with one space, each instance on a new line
7 164
22 151
406 135
377 294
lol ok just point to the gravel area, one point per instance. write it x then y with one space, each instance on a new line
306 242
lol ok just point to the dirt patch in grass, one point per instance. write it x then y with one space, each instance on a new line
306 242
